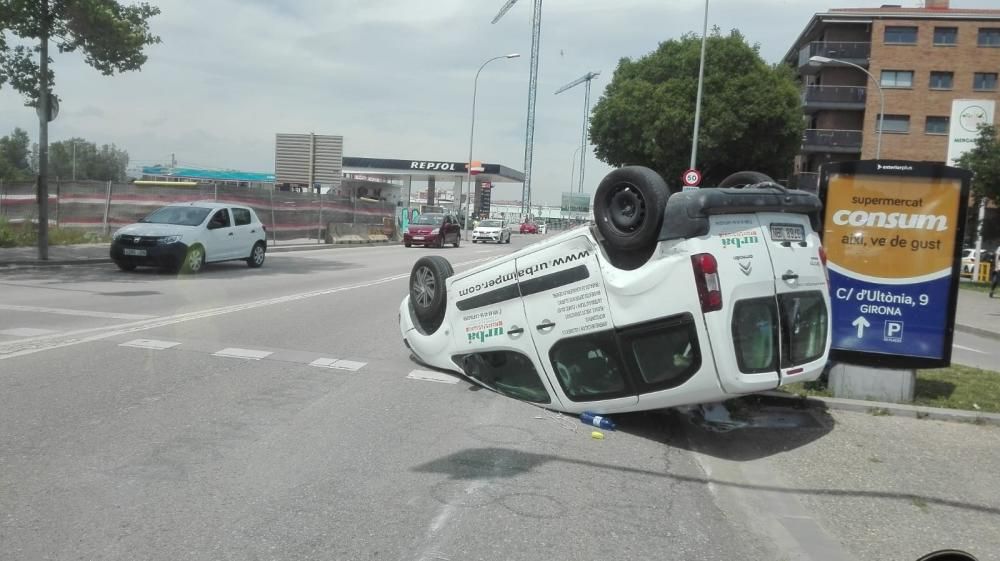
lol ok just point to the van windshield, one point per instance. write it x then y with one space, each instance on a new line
179 215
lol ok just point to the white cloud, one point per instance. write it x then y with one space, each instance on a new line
393 76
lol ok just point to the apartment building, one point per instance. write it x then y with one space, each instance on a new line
923 58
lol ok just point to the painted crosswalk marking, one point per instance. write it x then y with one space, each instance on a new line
429 376
248 354
338 364
25 332
154 344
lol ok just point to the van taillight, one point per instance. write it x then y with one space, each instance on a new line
822 259
706 276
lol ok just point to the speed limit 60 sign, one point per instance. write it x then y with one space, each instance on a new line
691 178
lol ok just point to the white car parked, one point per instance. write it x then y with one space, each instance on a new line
496 231
186 236
667 300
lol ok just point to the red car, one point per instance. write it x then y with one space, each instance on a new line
433 230
529 228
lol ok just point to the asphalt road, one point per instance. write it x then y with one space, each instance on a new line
110 449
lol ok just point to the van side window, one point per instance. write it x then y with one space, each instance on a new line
589 367
507 372
665 353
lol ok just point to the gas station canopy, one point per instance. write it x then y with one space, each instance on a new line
421 170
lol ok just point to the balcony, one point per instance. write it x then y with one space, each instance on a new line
844 98
831 141
848 51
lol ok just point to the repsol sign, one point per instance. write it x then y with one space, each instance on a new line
437 166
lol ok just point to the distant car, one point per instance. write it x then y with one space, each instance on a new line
969 260
491 231
699 297
433 230
542 228
529 228
186 236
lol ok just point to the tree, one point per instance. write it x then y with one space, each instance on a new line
751 117
111 35
107 163
15 164
983 160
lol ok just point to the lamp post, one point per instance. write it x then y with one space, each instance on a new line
820 60
572 171
472 133
701 83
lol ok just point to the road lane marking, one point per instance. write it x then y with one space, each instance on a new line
26 332
338 364
957 346
58 341
154 344
69 312
428 376
248 354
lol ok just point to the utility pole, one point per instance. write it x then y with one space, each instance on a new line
701 86
43 133
74 160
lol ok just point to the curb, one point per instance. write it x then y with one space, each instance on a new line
977 331
894 409
56 262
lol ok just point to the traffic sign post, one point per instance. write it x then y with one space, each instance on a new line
892 231
691 179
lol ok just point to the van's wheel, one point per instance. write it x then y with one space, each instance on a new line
629 206
744 178
427 290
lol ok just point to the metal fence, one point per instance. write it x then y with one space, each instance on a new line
104 206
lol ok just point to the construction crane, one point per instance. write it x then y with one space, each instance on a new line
529 132
586 78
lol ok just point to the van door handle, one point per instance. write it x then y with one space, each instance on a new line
789 276
515 331
546 324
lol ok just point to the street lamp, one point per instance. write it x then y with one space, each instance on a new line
701 86
472 133
572 171
820 60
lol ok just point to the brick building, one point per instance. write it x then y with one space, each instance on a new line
923 57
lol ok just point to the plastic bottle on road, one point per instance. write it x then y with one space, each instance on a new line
598 421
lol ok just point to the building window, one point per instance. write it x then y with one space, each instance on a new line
942 80
945 35
898 35
989 37
937 125
897 78
894 124
984 81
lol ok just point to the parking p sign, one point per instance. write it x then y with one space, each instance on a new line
892 231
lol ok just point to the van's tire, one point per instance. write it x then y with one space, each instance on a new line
427 290
744 178
629 206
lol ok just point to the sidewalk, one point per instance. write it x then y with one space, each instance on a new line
977 314
82 254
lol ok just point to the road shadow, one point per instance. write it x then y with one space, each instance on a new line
505 463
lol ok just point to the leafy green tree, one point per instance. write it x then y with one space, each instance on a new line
112 36
751 117
15 164
983 160
104 163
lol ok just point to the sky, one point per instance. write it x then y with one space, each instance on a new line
393 77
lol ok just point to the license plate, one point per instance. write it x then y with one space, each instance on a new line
418 237
136 252
788 232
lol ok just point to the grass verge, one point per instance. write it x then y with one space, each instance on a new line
956 387
26 234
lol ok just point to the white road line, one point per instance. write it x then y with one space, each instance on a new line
26 332
248 354
69 312
49 342
338 364
428 376
154 344
957 346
